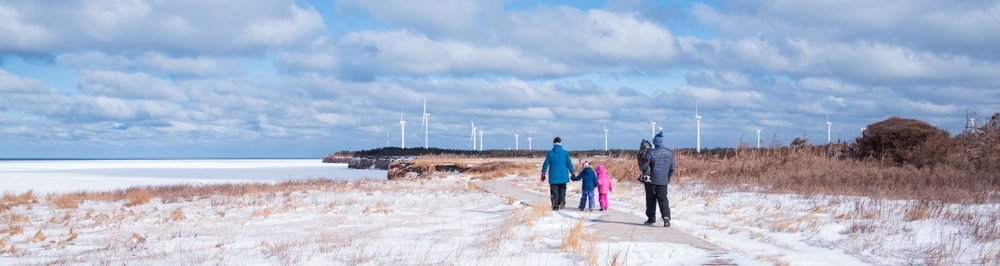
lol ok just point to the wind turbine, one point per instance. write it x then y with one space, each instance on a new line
425 123
473 135
515 141
652 126
480 140
698 117
529 141
605 137
758 135
828 129
402 130
660 127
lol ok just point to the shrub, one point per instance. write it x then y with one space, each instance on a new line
904 141
981 147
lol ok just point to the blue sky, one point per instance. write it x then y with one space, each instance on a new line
281 78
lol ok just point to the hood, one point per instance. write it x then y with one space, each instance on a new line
601 171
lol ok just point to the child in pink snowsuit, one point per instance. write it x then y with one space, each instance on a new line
603 186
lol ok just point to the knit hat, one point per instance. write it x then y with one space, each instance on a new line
586 164
658 139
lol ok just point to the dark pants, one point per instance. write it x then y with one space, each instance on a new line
558 195
656 194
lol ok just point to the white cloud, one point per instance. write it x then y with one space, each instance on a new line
130 86
953 28
14 84
152 62
534 43
864 62
204 27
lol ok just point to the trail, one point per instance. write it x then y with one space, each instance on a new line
613 225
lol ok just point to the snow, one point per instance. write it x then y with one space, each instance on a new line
89 175
368 221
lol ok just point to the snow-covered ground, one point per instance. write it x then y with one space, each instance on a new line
448 221
791 229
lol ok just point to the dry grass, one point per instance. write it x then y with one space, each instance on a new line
65 201
818 170
15 224
533 212
262 213
177 214
579 241
494 239
380 207
11 200
137 197
37 238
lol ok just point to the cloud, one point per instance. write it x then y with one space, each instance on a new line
536 43
152 62
939 27
203 73
185 27
14 84
877 64
130 86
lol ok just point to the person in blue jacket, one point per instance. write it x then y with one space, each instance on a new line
560 168
660 161
589 183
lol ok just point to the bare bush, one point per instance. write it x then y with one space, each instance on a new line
904 142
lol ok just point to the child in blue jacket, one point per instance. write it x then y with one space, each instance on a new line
589 183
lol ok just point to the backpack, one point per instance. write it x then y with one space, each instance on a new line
644 148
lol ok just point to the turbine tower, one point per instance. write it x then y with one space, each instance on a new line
652 129
529 141
605 137
758 135
480 140
473 135
424 123
828 129
698 117
515 141
402 130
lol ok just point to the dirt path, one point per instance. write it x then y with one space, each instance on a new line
614 225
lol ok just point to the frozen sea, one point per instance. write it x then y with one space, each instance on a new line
45 176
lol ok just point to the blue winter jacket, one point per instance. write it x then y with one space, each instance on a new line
561 165
661 160
589 178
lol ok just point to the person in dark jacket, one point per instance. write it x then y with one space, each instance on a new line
660 162
589 183
560 168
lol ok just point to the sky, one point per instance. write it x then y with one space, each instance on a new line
280 79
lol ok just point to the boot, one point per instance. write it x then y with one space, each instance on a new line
666 222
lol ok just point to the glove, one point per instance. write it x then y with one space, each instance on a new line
543 178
